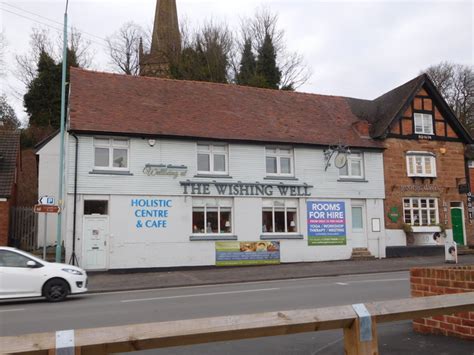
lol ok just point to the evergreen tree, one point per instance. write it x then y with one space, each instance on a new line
248 66
43 98
267 69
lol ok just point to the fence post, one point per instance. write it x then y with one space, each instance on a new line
360 338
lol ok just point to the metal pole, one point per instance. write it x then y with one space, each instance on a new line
45 234
61 144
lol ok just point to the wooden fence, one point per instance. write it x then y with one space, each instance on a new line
357 321
23 228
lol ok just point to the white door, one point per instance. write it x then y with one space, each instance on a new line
95 242
359 228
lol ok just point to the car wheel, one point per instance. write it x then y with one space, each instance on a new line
56 290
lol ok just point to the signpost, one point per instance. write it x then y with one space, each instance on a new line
46 205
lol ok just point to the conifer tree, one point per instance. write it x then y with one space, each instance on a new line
248 66
267 68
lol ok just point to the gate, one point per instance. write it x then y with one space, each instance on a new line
23 226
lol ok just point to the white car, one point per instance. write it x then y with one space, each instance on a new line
24 275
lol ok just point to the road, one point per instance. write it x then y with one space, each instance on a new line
119 308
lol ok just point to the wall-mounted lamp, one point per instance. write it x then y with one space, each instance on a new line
442 150
152 142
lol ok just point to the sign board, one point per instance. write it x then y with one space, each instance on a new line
451 252
46 209
247 253
47 200
326 223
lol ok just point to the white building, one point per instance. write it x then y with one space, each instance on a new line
175 173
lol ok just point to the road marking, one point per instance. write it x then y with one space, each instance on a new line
199 295
378 280
239 283
342 283
12 310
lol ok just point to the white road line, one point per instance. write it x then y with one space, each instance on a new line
378 280
11 310
342 283
199 295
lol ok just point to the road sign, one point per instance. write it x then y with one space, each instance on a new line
46 209
47 200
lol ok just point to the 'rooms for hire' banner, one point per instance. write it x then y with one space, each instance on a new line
326 223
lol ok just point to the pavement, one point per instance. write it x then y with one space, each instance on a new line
164 278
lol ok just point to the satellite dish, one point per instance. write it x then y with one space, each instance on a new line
340 160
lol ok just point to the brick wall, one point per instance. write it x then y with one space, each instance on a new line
4 222
450 167
440 281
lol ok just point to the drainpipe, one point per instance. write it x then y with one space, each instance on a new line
73 260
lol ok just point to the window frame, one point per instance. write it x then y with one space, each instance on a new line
287 204
411 164
213 203
211 153
412 209
278 155
110 146
417 116
351 157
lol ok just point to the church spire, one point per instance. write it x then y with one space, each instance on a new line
165 42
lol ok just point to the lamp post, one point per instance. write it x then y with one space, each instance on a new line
61 137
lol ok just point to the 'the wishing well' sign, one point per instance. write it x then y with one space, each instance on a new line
326 223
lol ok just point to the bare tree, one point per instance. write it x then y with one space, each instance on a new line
41 40
124 48
8 118
3 45
456 83
294 71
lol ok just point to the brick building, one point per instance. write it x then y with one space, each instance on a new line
425 168
9 165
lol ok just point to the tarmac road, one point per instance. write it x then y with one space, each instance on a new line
129 307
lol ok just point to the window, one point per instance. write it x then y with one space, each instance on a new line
421 164
357 218
354 168
420 211
212 159
211 216
12 259
423 123
95 207
279 161
111 153
280 216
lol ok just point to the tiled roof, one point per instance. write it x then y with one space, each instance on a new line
9 147
120 104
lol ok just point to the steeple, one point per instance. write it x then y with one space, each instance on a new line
165 42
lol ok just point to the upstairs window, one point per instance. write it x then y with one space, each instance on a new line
423 123
354 168
422 164
212 159
279 161
111 153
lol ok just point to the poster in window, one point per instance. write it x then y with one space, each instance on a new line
326 223
247 253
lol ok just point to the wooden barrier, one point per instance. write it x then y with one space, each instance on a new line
197 331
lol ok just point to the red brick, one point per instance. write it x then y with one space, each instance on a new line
440 318
462 329
454 320
467 322
447 326
432 323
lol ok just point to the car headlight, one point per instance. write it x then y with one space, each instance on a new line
72 271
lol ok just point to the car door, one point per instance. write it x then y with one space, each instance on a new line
16 278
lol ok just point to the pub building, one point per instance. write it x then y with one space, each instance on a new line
168 173
427 187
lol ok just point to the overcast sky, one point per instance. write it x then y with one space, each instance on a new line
354 48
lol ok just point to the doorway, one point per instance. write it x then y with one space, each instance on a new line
457 221
95 242
359 228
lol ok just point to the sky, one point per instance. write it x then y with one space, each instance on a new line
356 48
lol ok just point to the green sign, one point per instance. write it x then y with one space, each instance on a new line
394 215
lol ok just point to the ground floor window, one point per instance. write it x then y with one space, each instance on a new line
420 211
280 216
95 207
212 216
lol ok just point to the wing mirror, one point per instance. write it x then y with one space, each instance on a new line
31 264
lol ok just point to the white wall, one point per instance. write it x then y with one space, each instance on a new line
48 183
